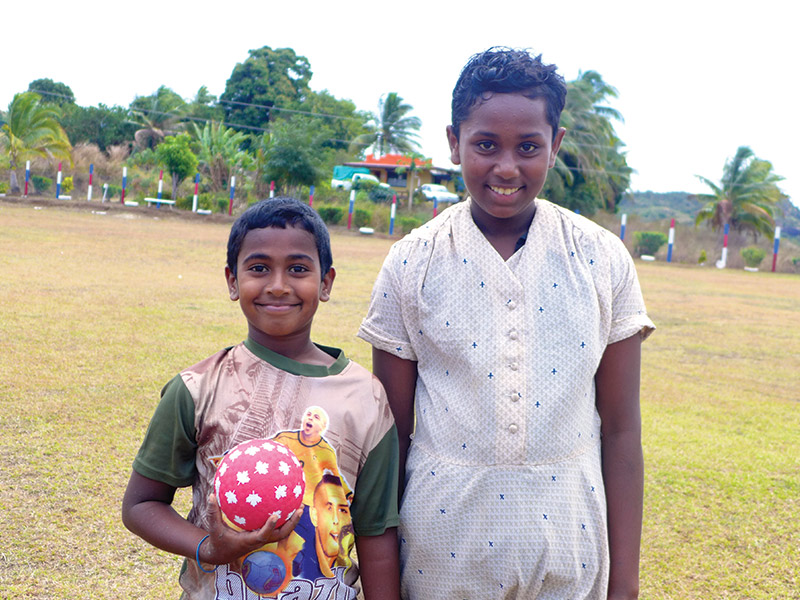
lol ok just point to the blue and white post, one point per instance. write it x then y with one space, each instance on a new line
124 184
775 248
194 198
311 197
27 176
724 259
58 182
671 240
89 190
350 210
624 222
393 213
233 188
160 186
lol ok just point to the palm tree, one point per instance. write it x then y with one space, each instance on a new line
746 198
390 129
158 116
220 153
31 129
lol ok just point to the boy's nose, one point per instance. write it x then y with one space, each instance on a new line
506 165
278 285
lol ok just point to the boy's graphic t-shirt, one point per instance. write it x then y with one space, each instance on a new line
337 422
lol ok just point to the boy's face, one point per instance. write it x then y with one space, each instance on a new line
505 149
279 284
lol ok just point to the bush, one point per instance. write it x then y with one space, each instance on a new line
67 186
113 190
381 195
648 242
41 183
3 187
753 255
702 258
361 217
408 223
332 215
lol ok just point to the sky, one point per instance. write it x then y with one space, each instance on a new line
696 79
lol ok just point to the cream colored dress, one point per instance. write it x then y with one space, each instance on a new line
504 494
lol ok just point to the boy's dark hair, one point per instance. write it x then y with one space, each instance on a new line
281 211
504 71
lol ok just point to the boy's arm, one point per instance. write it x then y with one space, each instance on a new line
147 511
399 379
379 565
617 384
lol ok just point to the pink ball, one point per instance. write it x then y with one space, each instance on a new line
257 479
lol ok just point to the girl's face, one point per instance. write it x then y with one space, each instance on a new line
505 149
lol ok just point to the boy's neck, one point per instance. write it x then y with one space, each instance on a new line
503 234
300 349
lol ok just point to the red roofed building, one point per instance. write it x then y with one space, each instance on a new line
395 170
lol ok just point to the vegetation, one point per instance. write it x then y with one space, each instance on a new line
390 129
648 242
722 491
746 197
753 255
175 154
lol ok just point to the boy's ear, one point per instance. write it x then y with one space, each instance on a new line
233 285
556 145
452 139
327 284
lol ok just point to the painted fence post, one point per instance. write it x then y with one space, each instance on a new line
160 186
27 175
775 248
271 189
671 240
124 184
89 189
194 198
435 206
350 210
724 259
58 182
233 188
622 226
311 197
393 213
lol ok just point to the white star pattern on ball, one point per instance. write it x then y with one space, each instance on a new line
240 520
262 468
252 450
298 490
282 449
231 498
253 499
236 454
223 468
268 446
280 492
243 477
277 513
283 467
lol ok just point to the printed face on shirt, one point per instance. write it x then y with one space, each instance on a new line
315 422
505 149
279 284
330 514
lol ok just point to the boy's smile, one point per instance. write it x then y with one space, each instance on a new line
505 149
279 286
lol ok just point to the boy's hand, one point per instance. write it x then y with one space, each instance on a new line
226 544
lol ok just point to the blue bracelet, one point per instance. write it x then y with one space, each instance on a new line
197 557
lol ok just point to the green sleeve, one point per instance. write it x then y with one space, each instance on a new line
168 451
374 507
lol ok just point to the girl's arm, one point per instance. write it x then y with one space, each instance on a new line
617 383
399 379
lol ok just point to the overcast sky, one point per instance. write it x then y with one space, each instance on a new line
695 79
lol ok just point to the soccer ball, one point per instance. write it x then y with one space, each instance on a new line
257 479
263 571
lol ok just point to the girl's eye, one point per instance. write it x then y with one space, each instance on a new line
486 145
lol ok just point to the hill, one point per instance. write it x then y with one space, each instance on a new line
657 206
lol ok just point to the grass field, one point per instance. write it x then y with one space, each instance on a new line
98 311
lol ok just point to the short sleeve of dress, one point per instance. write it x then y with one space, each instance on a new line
629 315
167 453
384 326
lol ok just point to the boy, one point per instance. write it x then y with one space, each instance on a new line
279 268
509 329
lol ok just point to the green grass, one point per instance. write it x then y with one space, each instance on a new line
97 312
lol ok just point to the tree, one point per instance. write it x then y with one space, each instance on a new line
31 129
591 170
102 125
52 92
267 78
204 107
339 117
390 129
746 197
220 153
295 156
158 115
175 153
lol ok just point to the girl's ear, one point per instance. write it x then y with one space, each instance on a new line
327 284
452 139
233 285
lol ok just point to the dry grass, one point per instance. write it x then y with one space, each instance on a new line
99 311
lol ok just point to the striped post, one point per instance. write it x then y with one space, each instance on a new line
105 192
233 188
724 259
622 226
271 189
27 175
435 206
775 248
124 184
160 186
89 190
58 182
194 198
393 213
311 197
671 240
350 210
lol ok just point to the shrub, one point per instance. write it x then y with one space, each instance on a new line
648 242
67 186
41 183
3 187
702 258
753 255
362 217
113 190
380 195
408 223
332 215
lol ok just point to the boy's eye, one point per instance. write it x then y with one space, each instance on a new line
258 268
486 145
298 269
528 147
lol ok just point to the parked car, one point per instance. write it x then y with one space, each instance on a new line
347 177
438 192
